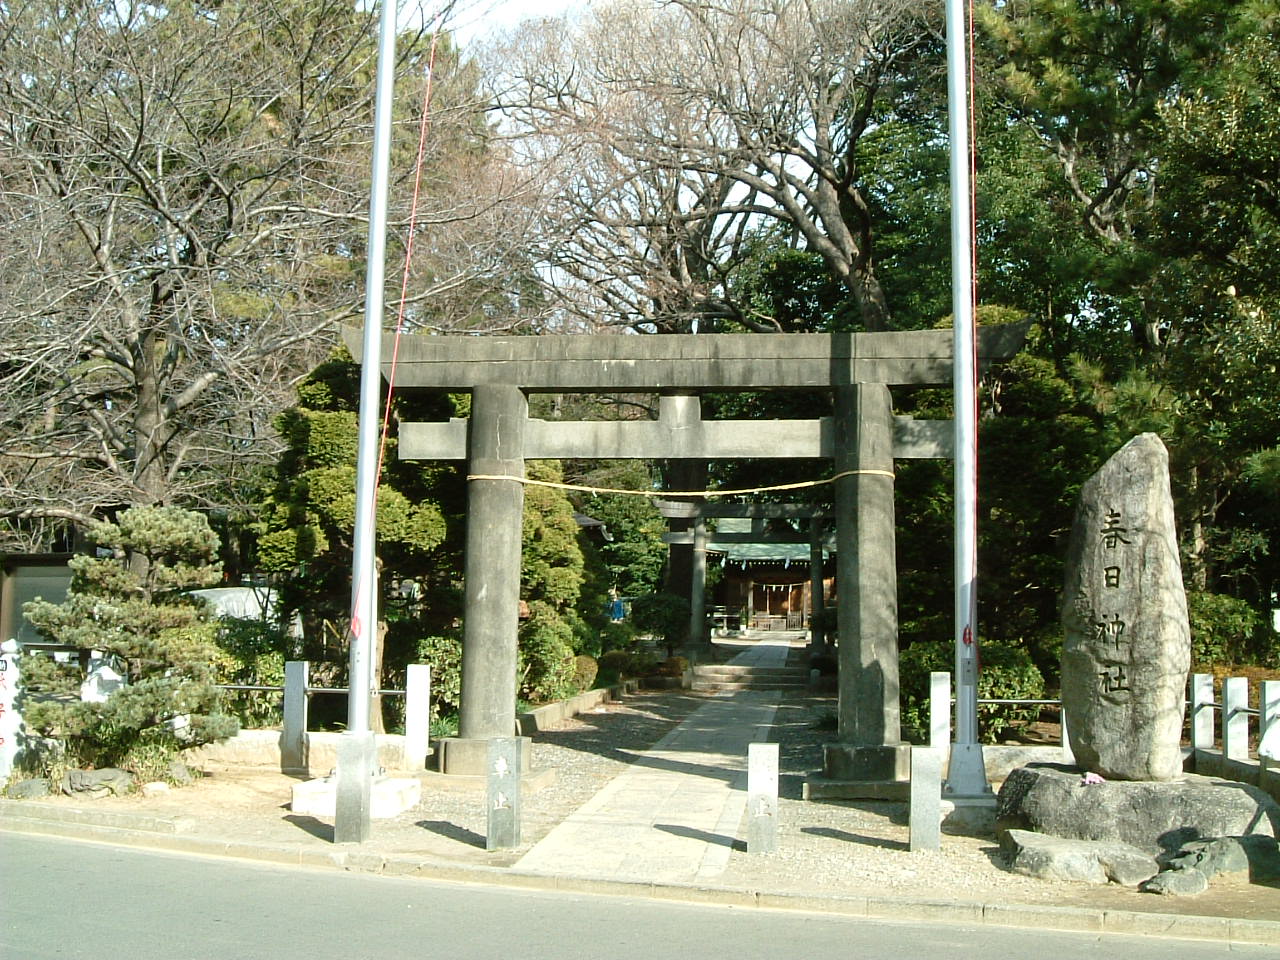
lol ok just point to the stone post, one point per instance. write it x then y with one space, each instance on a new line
762 798
870 744
293 737
1269 724
502 793
925 815
353 800
817 600
495 510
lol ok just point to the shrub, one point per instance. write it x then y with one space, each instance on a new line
585 669
1221 628
673 667
255 657
444 654
615 664
663 615
546 655
617 636
1007 673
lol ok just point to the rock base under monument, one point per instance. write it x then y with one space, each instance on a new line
1155 817
1076 861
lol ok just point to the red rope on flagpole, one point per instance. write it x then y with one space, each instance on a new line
973 224
424 125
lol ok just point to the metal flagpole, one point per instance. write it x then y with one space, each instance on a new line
966 774
357 758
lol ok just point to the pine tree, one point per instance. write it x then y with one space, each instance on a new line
130 601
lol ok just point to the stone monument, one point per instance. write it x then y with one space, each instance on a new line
1125 657
1127 648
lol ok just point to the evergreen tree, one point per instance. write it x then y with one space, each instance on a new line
129 602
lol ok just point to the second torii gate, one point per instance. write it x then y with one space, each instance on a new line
698 538
862 438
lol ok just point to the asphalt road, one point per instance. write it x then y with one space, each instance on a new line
70 899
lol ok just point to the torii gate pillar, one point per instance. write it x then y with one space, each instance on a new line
495 510
869 746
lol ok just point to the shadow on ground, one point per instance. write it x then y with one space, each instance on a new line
453 832
717 839
317 828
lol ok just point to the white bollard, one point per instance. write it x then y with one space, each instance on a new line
1269 723
1068 755
10 719
417 716
939 709
1235 722
1202 726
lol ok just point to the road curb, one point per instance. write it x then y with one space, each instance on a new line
174 835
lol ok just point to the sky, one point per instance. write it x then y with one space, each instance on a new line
473 19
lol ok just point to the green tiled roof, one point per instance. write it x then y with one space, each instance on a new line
797 553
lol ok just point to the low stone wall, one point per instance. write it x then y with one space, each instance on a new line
548 715
261 748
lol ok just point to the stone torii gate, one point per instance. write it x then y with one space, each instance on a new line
862 438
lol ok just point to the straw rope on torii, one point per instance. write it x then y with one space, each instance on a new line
862 438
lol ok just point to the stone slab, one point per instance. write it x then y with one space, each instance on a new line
261 748
389 797
1076 861
844 761
673 815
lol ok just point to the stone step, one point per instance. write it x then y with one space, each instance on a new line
729 670
712 686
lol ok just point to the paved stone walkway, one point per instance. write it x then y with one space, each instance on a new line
673 816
